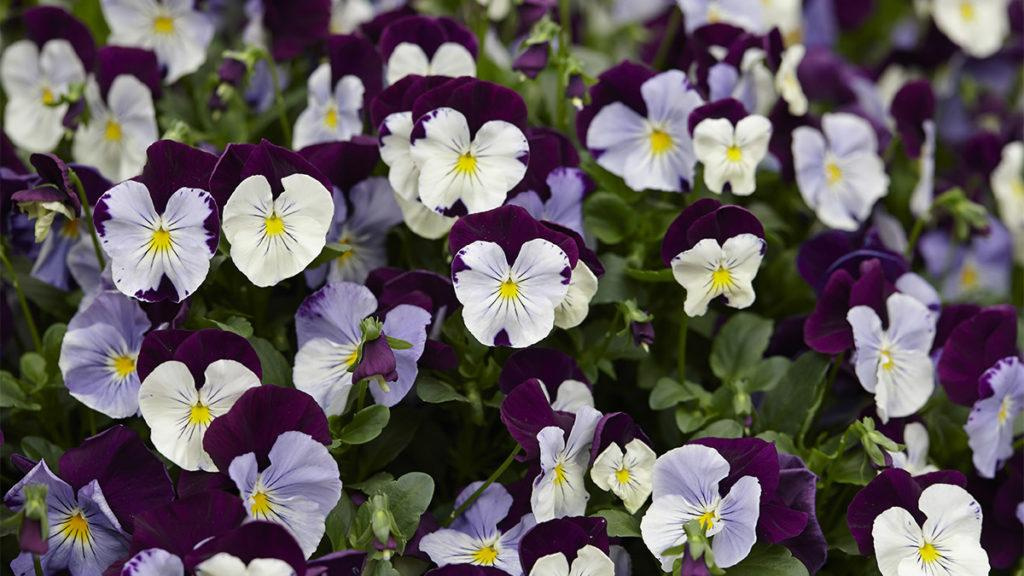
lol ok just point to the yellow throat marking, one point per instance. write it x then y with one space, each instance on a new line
928 553
466 164
707 520
968 275
163 24
661 142
331 118
48 97
508 290
622 475
260 504
112 131
886 361
1004 410
967 11
273 225
559 474
733 153
485 556
161 240
721 278
833 173
76 528
199 415
123 365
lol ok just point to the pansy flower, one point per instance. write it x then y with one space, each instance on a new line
174 29
564 384
1001 498
979 27
38 72
838 170
161 229
122 117
974 345
293 26
474 537
554 187
278 213
332 347
510 273
93 503
427 46
991 423
188 381
686 489
1008 186
271 443
979 267
714 250
52 193
626 471
558 490
730 144
468 145
636 127
255 548
571 546
914 459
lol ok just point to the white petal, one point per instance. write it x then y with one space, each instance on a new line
406 59
867 338
952 515
662 527
19 71
322 372
897 537
166 398
551 565
591 561
605 466
743 256
849 134
395 152
911 324
446 137
572 396
574 308
452 59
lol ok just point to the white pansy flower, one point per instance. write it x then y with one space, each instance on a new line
450 59
977 26
787 82
559 489
173 29
119 129
626 474
34 81
1007 182
709 270
331 115
730 154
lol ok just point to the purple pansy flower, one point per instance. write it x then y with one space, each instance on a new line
510 273
568 546
474 537
991 423
563 381
174 529
427 46
975 345
1002 499
331 346
258 547
161 229
980 267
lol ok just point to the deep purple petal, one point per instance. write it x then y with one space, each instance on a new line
427 33
354 55
44 23
400 96
239 161
345 164
296 25
797 490
552 367
532 60
478 100
973 347
676 239
509 227
525 412
158 347
618 428
747 457
548 150
205 347
728 108
341 563
257 539
562 535
377 359
112 61
912 105
171 165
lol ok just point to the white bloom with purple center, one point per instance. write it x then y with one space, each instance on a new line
99 351
178 412
730 154
1007 182
894 363
224 564
589 561
35 80
119 130
627 474
838 171
709 270
511 304
297 490
276 238
977 26
173 29
450 59
686 489
915 459
474 537
947 543
653 152
991 423
330 115
559 489
476 170
149 249
787 83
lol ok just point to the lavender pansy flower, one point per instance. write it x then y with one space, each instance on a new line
981 267
474 537
331 346
730 145
510 273
162 229
979 27
427 46
644 139
558 490
686 488
99 352
991 423
574 546
838 169
973 346
714 250
1008 187
180 397
173 29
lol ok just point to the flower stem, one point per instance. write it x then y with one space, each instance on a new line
25 311
837 362
915 233
37 565
681 355
564 42
490 480
282 110
671 27
87 210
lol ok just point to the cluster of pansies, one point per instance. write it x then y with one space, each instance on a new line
535 288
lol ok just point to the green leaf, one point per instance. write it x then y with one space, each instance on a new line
339 522
434 391
608 217
365 425
768 561
650 276
331 251
38 448
408 499
33 369
688 419
52 340
668 393
790 406
764 375
11 394
396 344
725 428
739 345
235 324
276 369
621 524
852 468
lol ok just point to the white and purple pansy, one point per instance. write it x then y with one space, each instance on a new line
468 145
978 27
475 537
730 144
554 186
189 379
575 307
91 505
272 444
714 250
427 46
838 169
636 127
559 489
334 352
256 548
511 274
174 29
572 546
565 386
39 72
161 229
622 461
278 213
990 427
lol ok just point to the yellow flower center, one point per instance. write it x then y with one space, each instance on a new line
48 96
466 164
833 173
161 240
485 556
968 275
707 520
123 365
967 11
661 142
331 118
1018 187
260 503
70 228
622 475
721 278
200 415
928 553
76 527
273 225
112 132
508 289
734 154
887 362
1004 410
352 358
559 474
163 24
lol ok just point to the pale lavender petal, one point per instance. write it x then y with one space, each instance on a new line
481 519
334 312
408 323
154 562
739 512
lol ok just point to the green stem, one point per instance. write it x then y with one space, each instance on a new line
87 210
564 42
282 110
915 233
666 40
837 362
25 311
681 355
37 565
490 480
